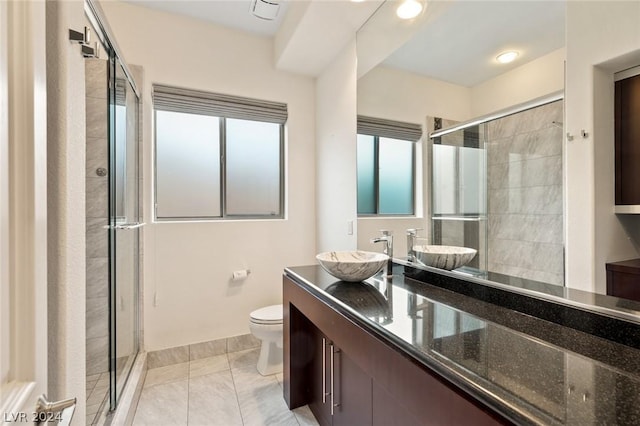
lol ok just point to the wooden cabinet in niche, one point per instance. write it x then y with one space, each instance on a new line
623 279
627 141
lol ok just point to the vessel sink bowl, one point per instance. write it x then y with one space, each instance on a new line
444 257
352 266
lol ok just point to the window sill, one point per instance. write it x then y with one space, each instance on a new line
389 217
187 221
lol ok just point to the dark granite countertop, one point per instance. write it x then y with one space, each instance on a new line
529 370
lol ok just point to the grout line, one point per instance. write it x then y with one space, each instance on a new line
188 386
235 389
188 380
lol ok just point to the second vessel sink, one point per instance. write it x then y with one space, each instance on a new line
444 257
352 266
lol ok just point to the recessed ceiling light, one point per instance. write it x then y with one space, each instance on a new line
506 57
409 9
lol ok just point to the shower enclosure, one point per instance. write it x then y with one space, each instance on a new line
497 187
113 221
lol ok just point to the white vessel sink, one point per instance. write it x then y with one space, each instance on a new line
352 266
444 257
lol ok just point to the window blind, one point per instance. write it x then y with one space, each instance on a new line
176 99
389 128
121 91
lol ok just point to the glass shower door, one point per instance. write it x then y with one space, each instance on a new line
459 206
124 235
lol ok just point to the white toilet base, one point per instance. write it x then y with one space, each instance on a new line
270 361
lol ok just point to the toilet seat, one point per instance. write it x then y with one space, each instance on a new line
267 315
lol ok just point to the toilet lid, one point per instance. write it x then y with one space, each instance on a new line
267 315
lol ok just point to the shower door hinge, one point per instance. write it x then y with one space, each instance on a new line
84 39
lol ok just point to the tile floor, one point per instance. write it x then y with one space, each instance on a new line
97 387
221 390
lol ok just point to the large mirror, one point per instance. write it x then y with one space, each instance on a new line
496 186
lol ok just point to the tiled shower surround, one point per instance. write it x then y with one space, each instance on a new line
524 186
97 246
97 214
522 235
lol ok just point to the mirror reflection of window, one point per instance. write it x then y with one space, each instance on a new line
386 167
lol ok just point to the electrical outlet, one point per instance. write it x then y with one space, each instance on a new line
349 227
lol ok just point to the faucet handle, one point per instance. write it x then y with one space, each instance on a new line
413 231
386 233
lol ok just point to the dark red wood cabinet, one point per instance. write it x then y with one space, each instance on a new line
338 382
623 279
373 382
627 141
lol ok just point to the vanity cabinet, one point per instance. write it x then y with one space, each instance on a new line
341 391
375 382
627 140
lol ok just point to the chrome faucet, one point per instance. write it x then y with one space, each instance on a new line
387 238
412 233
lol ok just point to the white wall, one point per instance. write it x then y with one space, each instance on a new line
400 95
602 37
188 265
404 96
66 206
537 78
336 153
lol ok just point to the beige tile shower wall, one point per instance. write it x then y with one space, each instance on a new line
96 212
524 167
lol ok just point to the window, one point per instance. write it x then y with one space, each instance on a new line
386 167
218 156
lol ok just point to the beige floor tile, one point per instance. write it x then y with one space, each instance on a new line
93 409
170 373
213 400
244 358
165 404
260 398
204 366
222 390
97 396
304 416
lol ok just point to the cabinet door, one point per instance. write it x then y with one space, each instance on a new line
627 140
319 380
351 391
388 411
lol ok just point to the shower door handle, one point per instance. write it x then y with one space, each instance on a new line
59 412
133 225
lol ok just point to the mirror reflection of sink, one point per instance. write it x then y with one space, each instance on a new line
352 266
365 298
444 257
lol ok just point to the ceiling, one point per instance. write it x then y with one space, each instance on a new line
228 13
459 42
456 41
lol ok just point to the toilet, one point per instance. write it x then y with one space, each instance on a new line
266 325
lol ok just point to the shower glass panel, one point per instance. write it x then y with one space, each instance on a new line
124 218
459 206
497 187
